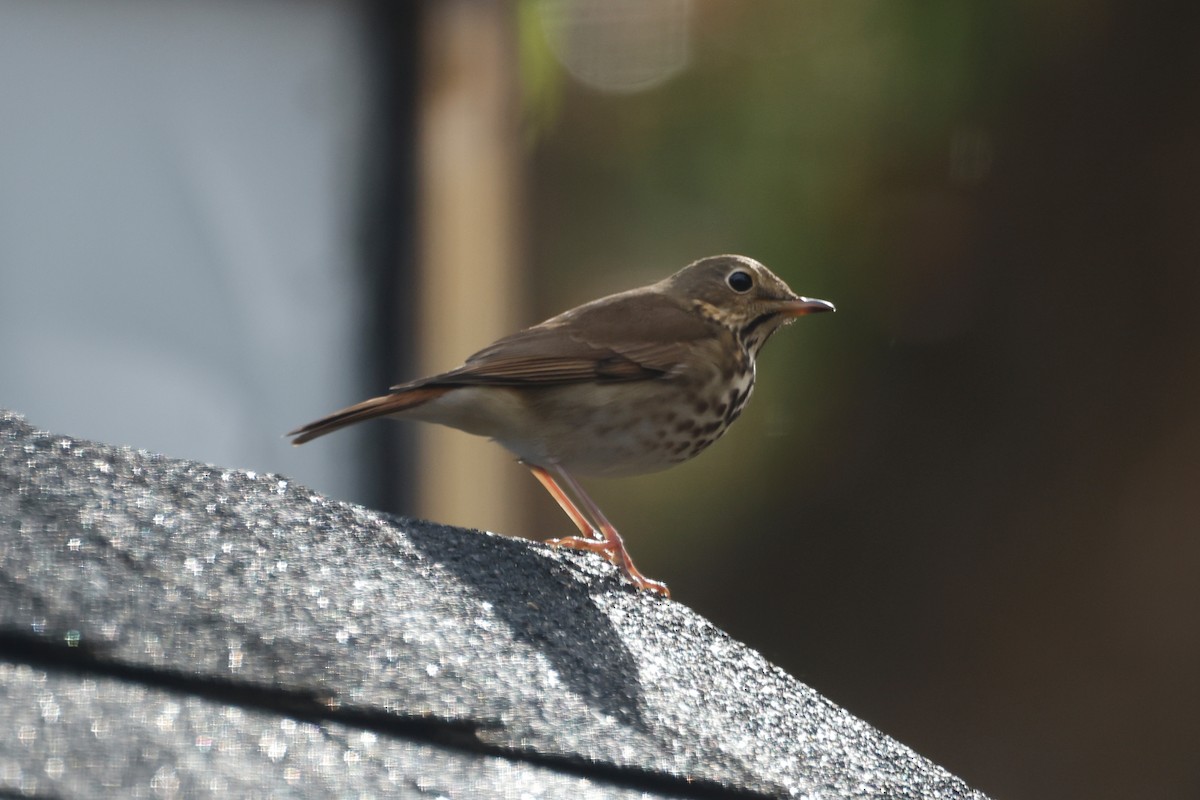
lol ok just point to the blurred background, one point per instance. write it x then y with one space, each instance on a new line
966 507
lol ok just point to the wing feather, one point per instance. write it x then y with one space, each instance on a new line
626 337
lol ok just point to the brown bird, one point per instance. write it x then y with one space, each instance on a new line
631 383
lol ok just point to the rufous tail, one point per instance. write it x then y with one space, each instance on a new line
367 409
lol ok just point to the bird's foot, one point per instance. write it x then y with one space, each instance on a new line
613 549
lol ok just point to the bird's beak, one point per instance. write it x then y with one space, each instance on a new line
800 306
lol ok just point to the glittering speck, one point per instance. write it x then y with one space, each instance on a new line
235 657
272 746
165 783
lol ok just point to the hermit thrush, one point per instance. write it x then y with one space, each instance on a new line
630 383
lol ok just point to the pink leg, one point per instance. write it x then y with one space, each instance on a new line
610 545
564 502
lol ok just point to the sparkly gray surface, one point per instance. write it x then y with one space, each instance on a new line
169 628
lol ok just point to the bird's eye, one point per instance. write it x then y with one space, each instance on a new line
740 281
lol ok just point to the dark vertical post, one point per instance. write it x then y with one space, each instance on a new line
389 240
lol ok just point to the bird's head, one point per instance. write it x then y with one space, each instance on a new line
741 294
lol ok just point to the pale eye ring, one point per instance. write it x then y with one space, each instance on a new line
740 281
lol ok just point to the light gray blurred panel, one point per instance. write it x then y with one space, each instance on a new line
179 196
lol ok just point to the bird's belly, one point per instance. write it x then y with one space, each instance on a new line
601 429
619 429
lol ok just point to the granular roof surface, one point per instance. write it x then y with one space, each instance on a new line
175 629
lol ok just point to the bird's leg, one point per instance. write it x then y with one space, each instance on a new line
564 502
610 544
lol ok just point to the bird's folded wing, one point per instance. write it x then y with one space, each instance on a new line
584 345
